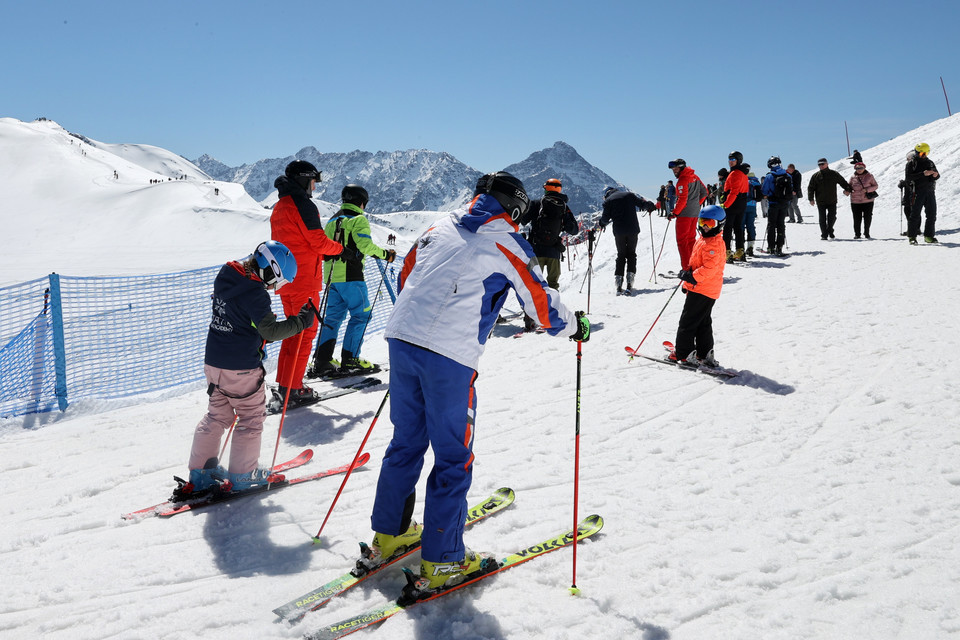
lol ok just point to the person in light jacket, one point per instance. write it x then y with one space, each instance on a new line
861 204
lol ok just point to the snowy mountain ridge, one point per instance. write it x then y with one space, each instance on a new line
418 179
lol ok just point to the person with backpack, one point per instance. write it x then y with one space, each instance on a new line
777 189
823 188
735 189
620 207
548 217
922 173
794 210
347 292
750 214
863 191
691 194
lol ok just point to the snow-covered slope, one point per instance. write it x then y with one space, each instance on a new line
816 496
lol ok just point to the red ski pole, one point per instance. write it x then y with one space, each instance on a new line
316 538
286 399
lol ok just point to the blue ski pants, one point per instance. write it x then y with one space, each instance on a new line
343 298
432 403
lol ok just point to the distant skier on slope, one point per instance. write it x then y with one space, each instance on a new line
453 283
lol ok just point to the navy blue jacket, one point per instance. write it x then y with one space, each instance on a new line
239 303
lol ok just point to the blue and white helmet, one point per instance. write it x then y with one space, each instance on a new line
276 265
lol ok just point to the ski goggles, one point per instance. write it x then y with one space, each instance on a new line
706 224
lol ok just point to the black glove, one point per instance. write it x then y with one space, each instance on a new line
306 315
391 256
649 207
583 328
687 276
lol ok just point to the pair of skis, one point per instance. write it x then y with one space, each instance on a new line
275 401
295 610
716 372
170 508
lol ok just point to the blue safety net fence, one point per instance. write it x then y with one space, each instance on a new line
64 338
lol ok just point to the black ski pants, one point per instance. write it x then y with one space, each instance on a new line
626 253
925 199
695 331
776 226
733 226
828 217
862 213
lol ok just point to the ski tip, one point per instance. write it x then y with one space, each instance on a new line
362 460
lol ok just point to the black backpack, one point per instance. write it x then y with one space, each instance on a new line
545 230
782 188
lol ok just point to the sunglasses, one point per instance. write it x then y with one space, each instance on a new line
707 223
821 164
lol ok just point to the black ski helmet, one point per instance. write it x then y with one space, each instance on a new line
355 194
608 191
736 155
507 190
679 163
302 172
774 161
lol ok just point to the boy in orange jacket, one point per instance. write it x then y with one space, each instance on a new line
702 283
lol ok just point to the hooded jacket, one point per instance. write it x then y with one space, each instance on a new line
242 320
456 278
295 222
621 207
707 261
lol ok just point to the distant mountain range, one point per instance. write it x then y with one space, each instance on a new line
417 179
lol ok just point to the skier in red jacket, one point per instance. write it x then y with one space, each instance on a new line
691 192
295 222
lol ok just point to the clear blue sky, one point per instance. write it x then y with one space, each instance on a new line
629 84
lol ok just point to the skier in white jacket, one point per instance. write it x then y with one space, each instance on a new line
453 283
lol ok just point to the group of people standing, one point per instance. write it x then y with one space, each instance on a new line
453 283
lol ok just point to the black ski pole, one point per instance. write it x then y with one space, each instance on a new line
633 352
576 474
662 244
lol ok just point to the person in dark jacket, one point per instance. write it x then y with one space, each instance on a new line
793 211
548 217
822 188
776 208
620 207
922 173
241 322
